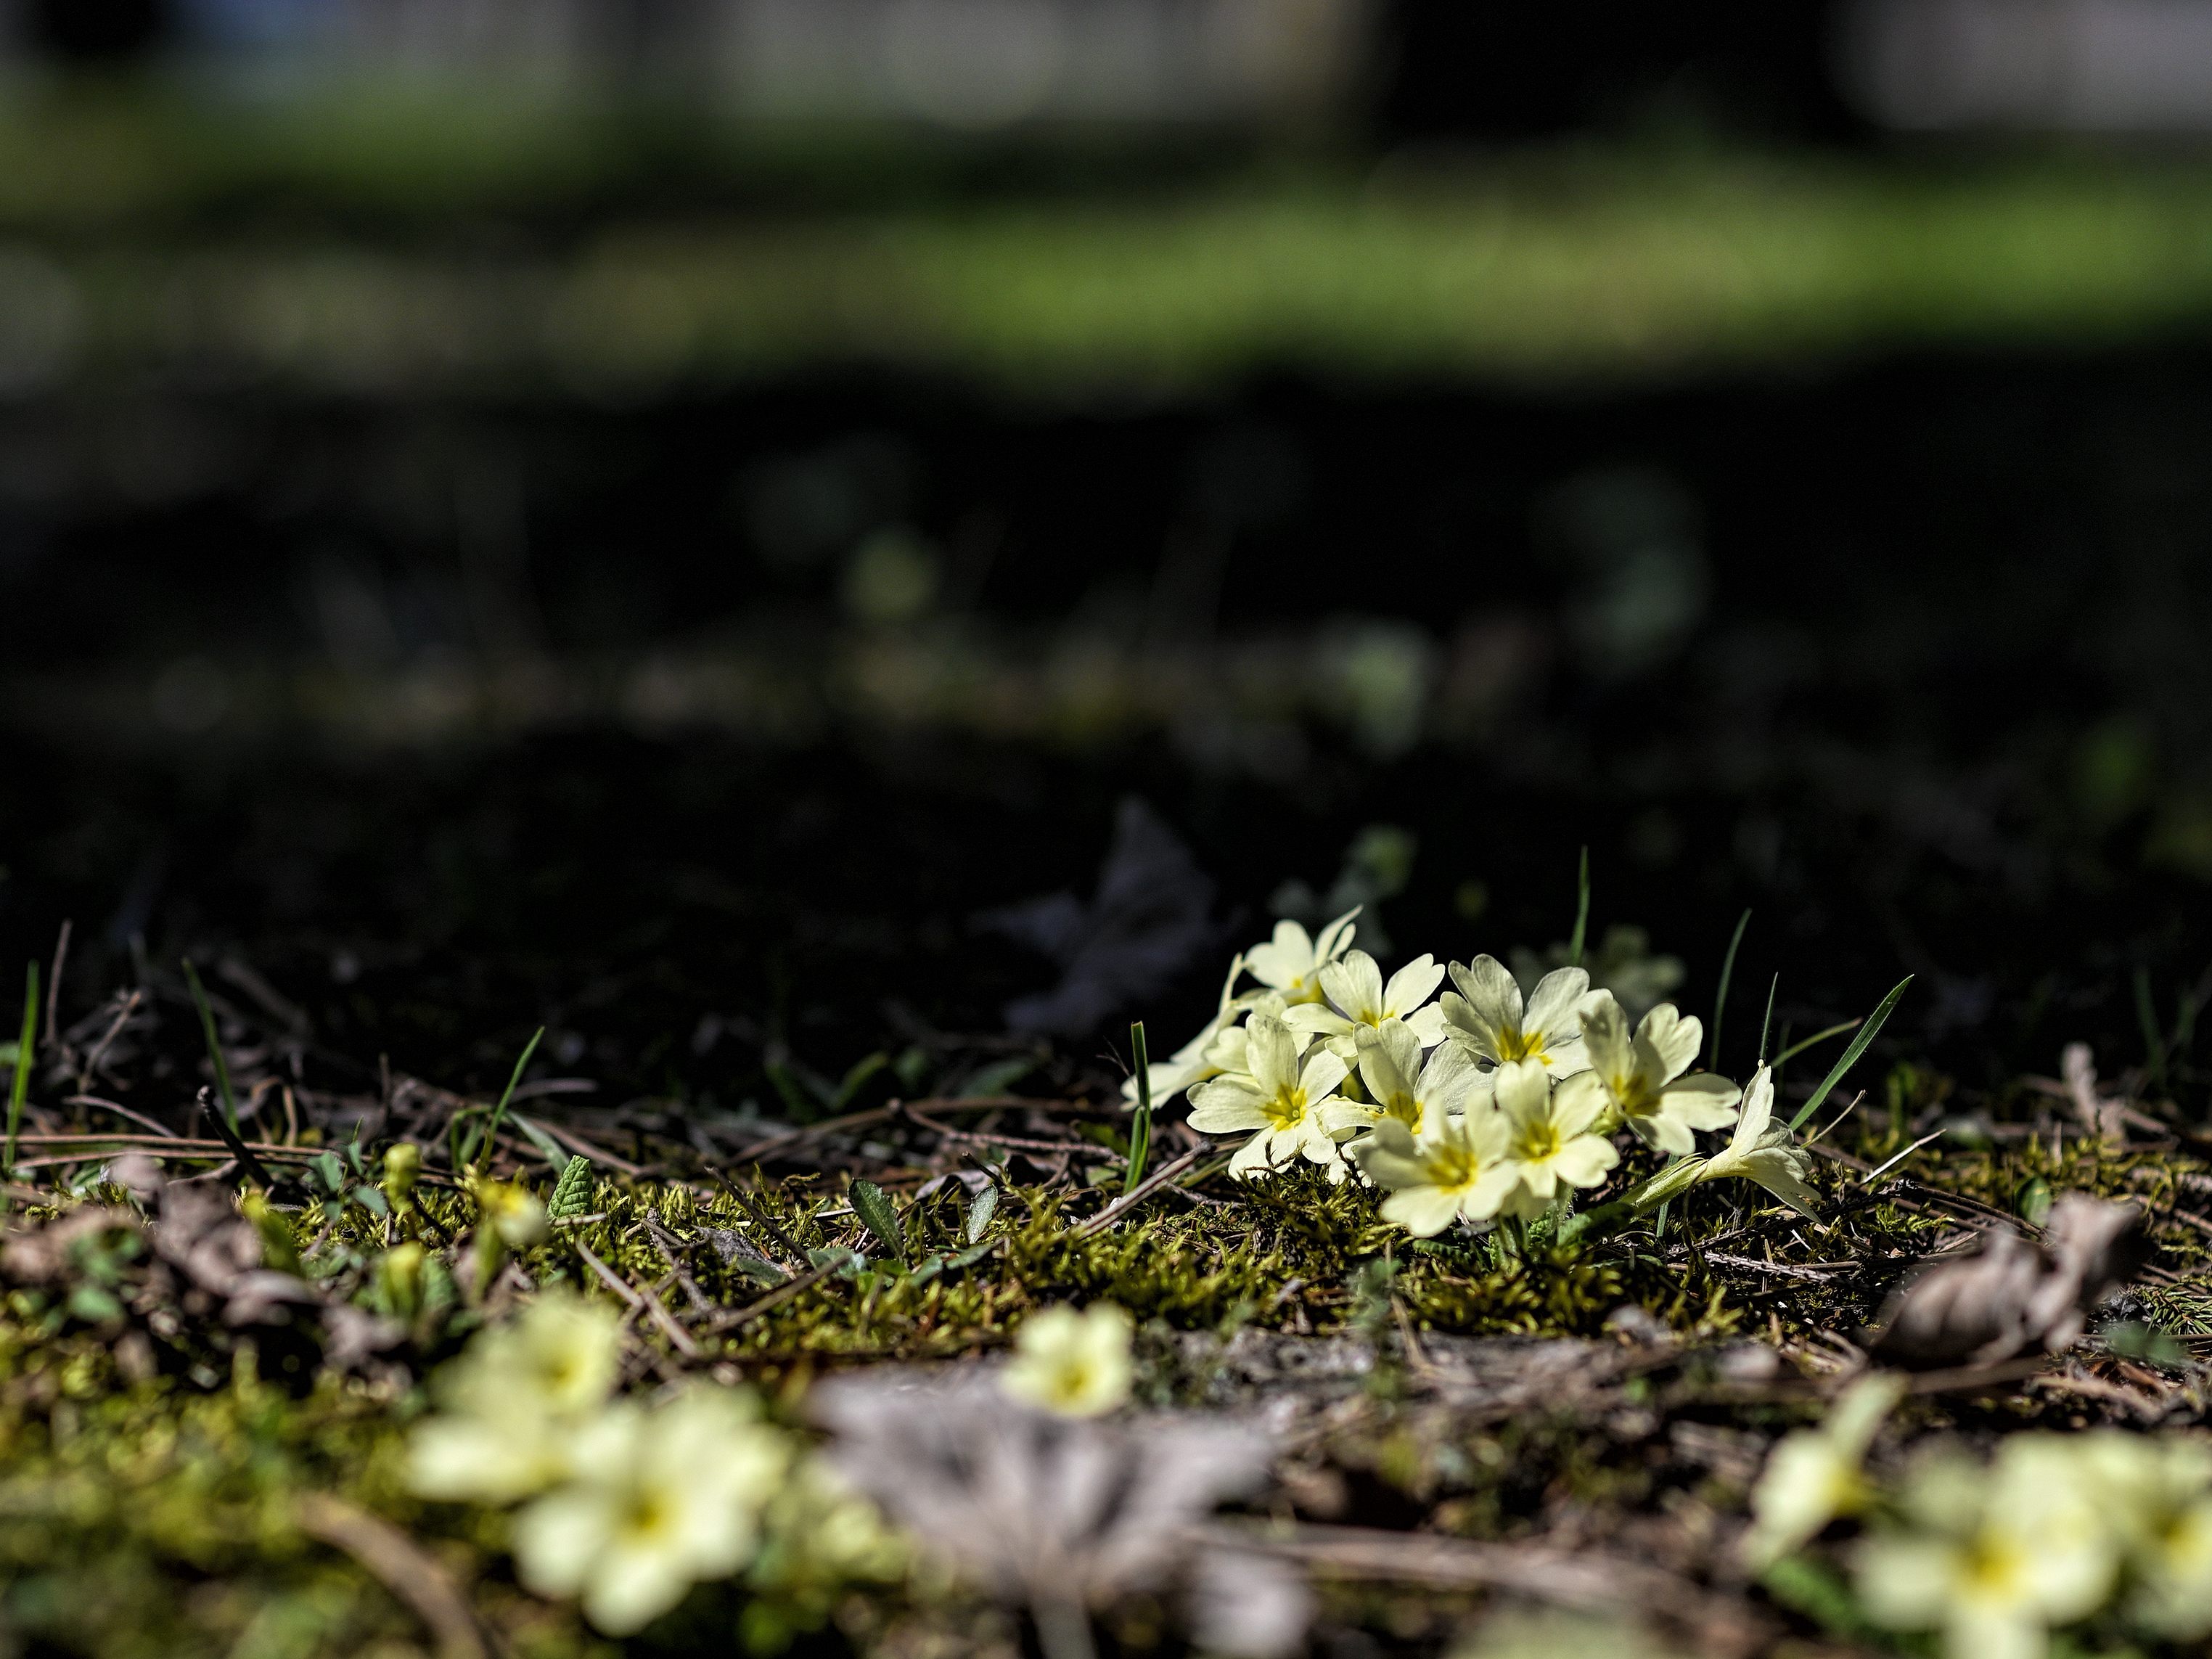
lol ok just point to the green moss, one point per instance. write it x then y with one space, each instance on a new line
155 1511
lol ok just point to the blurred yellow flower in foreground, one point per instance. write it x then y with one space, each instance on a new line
1072 1364
656 1502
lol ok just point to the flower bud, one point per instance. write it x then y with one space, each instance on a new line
399 1276
403 1164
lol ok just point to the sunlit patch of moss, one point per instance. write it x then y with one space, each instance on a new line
161 1521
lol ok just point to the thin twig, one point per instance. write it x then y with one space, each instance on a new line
774 1300
157 1127
792 1254
1886 1168
666 1242
107 1038
400 1565
643 1301
1756 1265
782 1141
1150 1183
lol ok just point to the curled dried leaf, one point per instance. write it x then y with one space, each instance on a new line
2013 1295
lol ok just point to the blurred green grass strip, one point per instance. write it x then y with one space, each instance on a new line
518 268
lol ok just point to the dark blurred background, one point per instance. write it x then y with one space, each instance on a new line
683 519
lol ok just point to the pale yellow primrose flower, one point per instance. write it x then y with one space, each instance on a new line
1359 1000
511 1210
1071 1363
1642 1076
1279 1096
1762 1151
1228 1053
1400 1085
1447 1172
1291 961
1998 1556
1548 1143
512 1401
2157 1496
1487 1014
1190 1063
1813 1475
659 1502
465 1459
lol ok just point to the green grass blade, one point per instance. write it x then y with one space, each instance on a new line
19 1089
2153 1039
1797 1048
1581 914
1767 1025
1850 1057
1141 1132
1720 997
499 1112
213 1046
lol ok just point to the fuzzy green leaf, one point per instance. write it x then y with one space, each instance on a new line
879 1216
572 1194
985 1206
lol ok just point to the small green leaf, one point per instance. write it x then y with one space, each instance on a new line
93 1305
972 1255
879 1216
857 1078
929 1270
572 1194
848 1263
329 1172
372 1200
759 1269
980 1211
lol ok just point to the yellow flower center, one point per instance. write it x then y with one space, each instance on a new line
1513 1043
1288 1108
1071 1383
1635 1095
1537 1141
648 1515
1993 1570
1452 1166
1407 1109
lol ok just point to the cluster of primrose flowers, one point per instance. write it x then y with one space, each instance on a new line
2055 1529
624 1504
1473 1106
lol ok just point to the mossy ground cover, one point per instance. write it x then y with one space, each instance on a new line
1467 1418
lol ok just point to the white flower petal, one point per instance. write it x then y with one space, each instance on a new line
1412 986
